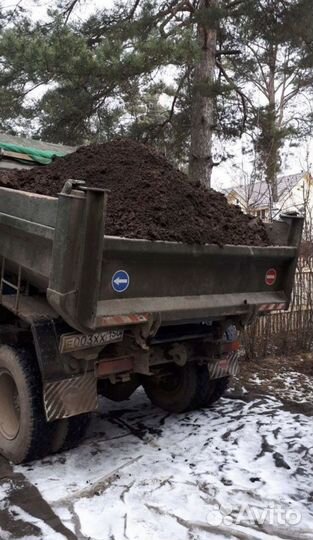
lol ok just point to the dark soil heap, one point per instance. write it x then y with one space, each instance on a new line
149 198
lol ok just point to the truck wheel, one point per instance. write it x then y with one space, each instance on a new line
220 389
208 391
24 430
175 390
76 431
59 430
67 433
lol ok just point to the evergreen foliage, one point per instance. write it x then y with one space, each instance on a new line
131 71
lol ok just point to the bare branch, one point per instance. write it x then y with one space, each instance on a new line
228 52
133 9
69 10
180 85
240 93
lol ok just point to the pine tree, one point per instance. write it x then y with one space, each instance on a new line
202 118
98 70
275 68
225 67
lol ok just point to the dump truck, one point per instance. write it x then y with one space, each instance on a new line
83 314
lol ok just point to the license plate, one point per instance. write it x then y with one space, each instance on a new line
77 342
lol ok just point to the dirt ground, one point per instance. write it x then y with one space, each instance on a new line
144 474
287 379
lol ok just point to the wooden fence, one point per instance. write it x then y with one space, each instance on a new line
278 321
300 310
286 329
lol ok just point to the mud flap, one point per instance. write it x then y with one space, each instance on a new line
66 392
70 397
225 367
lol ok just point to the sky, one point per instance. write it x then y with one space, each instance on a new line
38 8
295 159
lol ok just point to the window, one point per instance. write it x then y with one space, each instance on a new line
261 213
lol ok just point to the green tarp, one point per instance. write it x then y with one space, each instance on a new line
42 157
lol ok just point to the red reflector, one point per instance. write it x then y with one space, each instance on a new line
231 347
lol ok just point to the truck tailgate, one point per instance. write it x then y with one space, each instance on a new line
181 281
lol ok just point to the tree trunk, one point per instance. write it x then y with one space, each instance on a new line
202 116
273 150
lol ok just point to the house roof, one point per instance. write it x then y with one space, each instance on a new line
257 195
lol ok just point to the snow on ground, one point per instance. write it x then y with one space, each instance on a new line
286 384
242 469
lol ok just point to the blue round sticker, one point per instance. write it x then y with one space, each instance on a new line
120 281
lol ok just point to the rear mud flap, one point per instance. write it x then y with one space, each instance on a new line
71 396
65 393
225 367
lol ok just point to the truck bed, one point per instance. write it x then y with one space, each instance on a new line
59 246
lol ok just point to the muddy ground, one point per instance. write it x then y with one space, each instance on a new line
241 470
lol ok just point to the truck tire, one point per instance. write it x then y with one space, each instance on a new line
59 430
67 433
24 431
174 392
208 391
76 431
220 388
